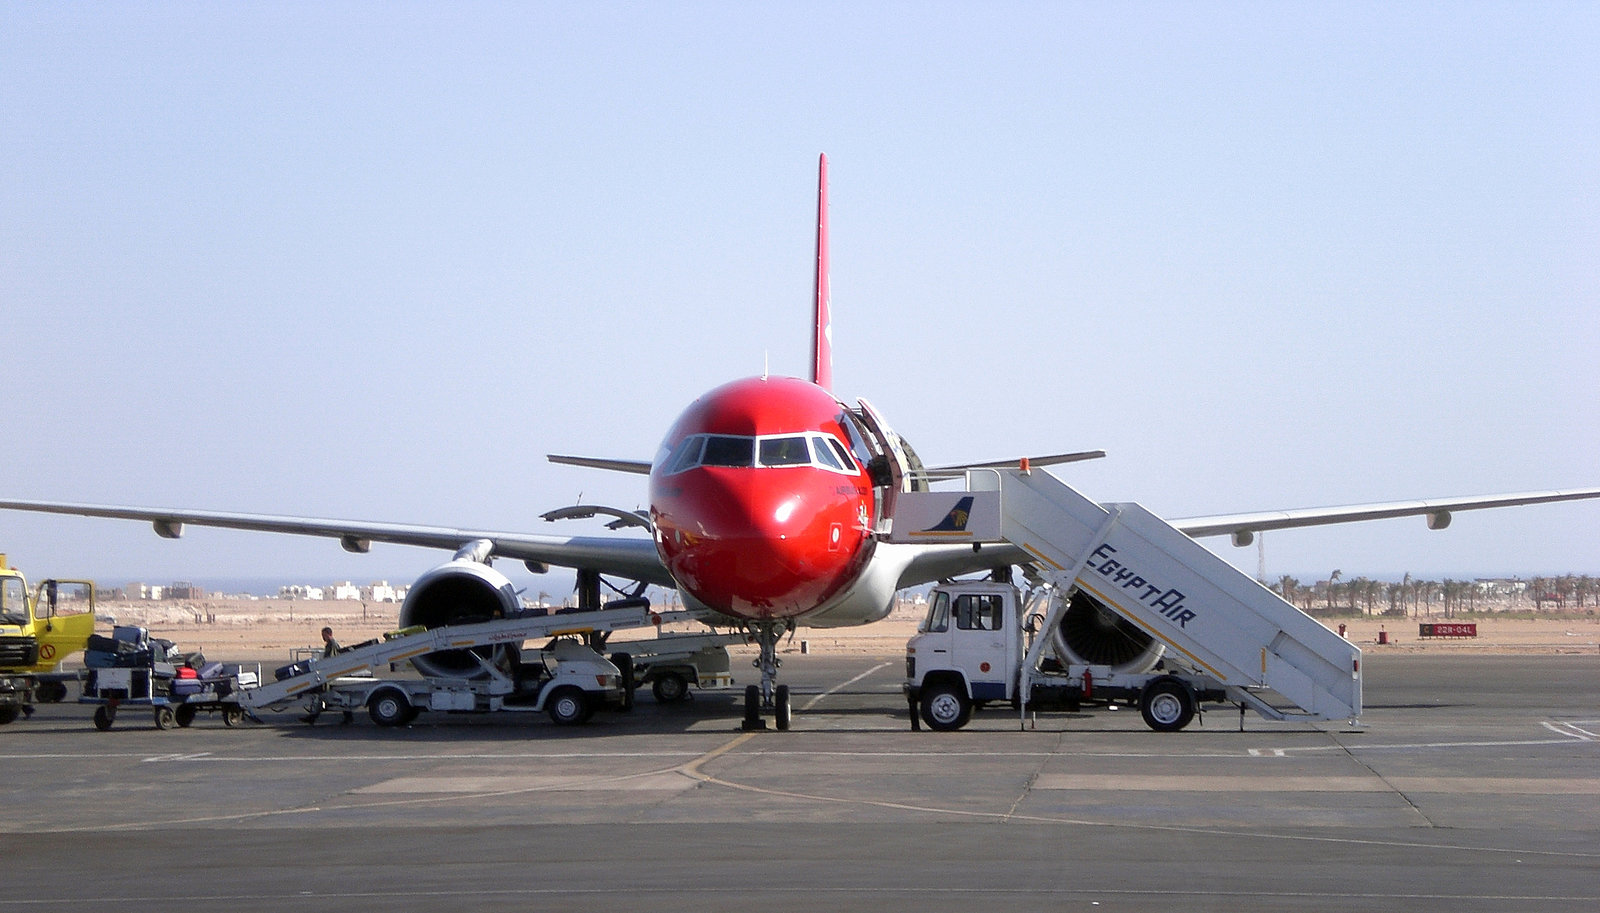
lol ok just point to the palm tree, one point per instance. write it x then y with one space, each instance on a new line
1332 579
1287 587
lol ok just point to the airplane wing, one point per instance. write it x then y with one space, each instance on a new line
1438 511
942 562
640 467
634 558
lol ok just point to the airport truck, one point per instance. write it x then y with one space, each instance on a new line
970 649
39 629
1132 611
673 665
567 679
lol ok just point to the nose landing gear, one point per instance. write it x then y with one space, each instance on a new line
769 695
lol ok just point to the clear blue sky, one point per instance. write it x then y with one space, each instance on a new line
374 260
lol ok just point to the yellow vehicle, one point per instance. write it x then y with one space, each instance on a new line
38 630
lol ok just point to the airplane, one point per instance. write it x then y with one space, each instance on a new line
764 500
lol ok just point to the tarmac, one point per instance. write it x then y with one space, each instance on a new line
1473 784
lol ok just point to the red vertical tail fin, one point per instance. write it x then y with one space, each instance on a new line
822 318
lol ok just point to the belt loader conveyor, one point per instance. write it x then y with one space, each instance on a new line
323 671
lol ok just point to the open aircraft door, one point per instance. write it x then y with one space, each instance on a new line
904 470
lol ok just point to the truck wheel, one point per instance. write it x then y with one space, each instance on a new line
103 718
780 698
669 688
50 692
8 714
569 706
184 715
388 707
165 718
945 707
1166 705
233 716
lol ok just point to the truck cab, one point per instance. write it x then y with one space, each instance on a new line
39 629
966 652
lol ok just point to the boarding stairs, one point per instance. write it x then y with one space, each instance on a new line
1213 619
403 646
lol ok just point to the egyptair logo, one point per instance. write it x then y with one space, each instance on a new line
956 520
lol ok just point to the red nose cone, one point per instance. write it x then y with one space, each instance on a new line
763 540
754 552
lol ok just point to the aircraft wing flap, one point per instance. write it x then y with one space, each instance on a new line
634 558
1440 508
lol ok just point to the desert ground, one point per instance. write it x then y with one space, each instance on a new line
270 631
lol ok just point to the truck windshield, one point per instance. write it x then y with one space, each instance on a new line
938 614
13 601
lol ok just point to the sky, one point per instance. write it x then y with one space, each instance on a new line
373 261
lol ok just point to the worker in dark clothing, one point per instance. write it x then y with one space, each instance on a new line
329 648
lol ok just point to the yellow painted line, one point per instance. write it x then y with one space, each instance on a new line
569 631
296 689
942 534
401 656
1153 632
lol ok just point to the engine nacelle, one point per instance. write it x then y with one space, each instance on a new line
458 592
1092 634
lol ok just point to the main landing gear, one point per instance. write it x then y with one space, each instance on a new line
769 695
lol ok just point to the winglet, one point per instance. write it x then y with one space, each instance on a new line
822 318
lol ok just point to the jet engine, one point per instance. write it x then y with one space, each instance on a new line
1091 633
458 592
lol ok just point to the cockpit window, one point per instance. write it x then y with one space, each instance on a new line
825 454
686 454
785 451
728 451
815 449
844 455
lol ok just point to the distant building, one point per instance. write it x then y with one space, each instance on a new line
345 590
183 589
381 591
299 591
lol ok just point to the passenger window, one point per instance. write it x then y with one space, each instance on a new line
728 451
785 451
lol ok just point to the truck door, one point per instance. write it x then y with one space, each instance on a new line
64 611
978 647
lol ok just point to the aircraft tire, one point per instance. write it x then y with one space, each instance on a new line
780 699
